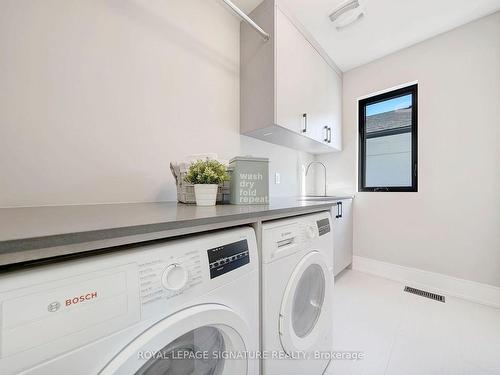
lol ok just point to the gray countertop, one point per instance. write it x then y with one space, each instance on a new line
34 233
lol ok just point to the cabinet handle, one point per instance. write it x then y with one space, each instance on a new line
304 116
329 132
340 210
326 134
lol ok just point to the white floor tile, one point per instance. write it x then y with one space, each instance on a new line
401 333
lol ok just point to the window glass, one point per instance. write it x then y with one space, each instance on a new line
388 141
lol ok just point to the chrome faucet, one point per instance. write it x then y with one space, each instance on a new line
317 162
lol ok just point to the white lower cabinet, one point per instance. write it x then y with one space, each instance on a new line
342 218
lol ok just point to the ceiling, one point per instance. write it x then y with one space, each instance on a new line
387 26
247 5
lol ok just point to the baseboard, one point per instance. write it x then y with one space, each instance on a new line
443 284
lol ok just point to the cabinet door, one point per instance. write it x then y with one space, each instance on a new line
327 110
320 110
334 108
294 88
342 235
305 85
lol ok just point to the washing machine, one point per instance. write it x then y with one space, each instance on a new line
187 306
297 291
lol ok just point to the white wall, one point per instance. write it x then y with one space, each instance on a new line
98 96
452 225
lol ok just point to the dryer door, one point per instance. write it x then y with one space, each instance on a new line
305 322
194 341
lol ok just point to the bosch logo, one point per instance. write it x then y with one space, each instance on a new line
54 306
80 299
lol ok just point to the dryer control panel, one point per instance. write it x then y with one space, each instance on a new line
281 238
323 226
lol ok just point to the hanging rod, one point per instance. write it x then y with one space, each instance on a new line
247 19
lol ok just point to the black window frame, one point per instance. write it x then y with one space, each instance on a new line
362 104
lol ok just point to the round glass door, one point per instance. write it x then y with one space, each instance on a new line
305 319
308 300
194 341
194 353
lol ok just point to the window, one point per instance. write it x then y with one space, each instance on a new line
388 141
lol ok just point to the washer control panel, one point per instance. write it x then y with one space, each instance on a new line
223 259
172 273
167 278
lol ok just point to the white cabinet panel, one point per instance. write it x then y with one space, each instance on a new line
342 218
306 97
292 85
322 109
334 100
306 93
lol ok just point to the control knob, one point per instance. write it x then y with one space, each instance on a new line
175 277
310 231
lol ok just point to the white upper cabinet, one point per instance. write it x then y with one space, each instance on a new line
290 95
333 108
294 89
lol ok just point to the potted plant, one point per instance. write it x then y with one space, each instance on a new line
206 175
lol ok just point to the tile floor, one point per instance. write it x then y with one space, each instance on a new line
404 334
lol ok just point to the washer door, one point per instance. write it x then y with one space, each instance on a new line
190 342
306 309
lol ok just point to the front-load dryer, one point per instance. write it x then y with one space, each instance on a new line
187 306
297 292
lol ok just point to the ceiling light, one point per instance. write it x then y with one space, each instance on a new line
347 13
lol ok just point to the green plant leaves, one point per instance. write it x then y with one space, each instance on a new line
206 172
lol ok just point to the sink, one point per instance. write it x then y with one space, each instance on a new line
321 198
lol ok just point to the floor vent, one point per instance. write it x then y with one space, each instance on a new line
423 293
